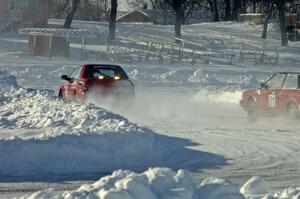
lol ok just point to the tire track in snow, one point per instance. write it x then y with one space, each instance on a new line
269 151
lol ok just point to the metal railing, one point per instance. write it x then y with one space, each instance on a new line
5 22
8 19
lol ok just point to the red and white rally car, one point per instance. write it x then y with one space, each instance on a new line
279 95
101 80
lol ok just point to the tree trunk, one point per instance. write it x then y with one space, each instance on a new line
112 20
179 19
216 10
243 7
71 13
254 7
227 10
211 6
235 10
267 19
282 22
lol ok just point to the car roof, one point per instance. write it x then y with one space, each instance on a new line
298 73
104 65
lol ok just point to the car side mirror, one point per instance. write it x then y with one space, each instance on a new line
65 77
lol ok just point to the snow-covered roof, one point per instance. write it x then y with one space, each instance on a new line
59 32
136 16
168 16
162 16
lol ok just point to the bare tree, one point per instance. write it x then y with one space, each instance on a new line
254 6
236 10
155 4
281 6
268 9
112 20
71 13
137 4
107 9
281 12
178 8
97 10
57 8
214 8
227 10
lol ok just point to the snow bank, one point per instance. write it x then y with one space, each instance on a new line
216 188
43 136
36 75
156 183
158 76
53 136
218 96
216 88
255 186
201 77
195 77
164 183
6 80
38 109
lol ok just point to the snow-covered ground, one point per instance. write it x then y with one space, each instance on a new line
165 183
185 117
58 137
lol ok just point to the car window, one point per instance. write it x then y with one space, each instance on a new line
75 73
276 81
291 82
106 71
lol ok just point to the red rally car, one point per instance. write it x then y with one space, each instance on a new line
101 80
279 95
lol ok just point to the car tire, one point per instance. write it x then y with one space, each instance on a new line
293 112
60 95
252 115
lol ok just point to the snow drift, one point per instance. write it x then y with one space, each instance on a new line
164 183
6 80
156 183
44 136
53 136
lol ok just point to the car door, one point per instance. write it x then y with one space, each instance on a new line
290 92
269 94
73 83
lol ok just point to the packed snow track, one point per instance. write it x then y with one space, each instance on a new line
268 148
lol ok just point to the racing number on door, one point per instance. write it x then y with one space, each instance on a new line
272 100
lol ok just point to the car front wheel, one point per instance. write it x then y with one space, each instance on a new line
252 112
60 94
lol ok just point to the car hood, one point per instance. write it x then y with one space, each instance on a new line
250 91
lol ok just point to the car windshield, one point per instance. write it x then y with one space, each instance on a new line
276 81
105 71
